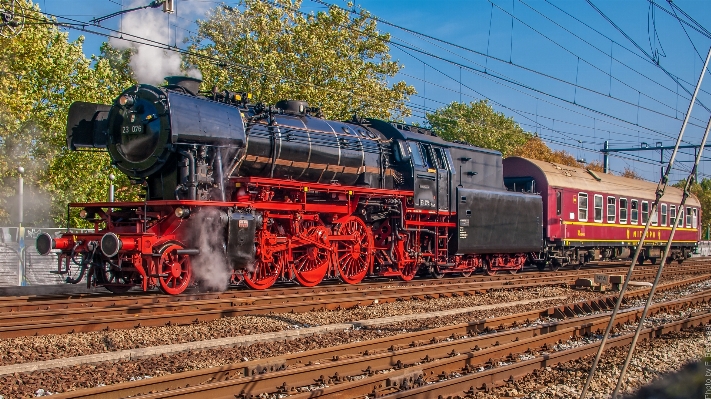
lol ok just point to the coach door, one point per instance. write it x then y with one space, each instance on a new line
443 178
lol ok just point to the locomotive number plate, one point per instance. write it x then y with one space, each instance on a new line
133 129
243 224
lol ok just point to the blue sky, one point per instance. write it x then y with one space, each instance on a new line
575 92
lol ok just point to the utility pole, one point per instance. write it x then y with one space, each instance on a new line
21 230
606 157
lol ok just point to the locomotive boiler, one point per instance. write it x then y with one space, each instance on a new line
264 193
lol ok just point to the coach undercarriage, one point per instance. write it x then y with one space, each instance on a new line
557 256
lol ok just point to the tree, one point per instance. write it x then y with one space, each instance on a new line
535 148
478 124
702 191
275 52
43 73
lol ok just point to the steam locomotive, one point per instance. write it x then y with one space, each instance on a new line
255 193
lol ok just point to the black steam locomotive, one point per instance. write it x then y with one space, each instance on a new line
287 194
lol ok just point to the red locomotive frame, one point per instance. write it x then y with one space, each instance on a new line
293 243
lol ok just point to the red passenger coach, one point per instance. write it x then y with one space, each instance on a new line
589 215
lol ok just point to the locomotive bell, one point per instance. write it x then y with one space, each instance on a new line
297 107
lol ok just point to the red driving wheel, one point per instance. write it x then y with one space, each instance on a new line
312 261
354 257
175 271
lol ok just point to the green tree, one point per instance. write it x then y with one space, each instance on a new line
43 73
479 124
702 191
339 64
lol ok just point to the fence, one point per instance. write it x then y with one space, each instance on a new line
18 251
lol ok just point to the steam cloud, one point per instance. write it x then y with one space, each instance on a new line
207 232
151 64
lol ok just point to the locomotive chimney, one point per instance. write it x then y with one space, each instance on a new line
188 83
294 107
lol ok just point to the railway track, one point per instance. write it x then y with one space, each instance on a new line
423 364
48 302
86 314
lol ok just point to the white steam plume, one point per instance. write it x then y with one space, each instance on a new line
151 64
207 231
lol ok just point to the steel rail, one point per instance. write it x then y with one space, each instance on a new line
37 302
335 363
73 320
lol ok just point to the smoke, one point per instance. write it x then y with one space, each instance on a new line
150 61
207 231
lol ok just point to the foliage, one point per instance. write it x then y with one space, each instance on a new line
702 191
630 173
478 124
43 73
535 148
274 52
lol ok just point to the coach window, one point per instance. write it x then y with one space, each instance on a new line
672 214
634 212
664 214
598 208
611 208
623 210
645 212
694 220
655 217
681 217
416 156
688 216
558 202
583 207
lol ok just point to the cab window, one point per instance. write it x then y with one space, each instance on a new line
442 159
427 156
416 156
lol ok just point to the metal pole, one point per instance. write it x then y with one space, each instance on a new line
606 157
685 195
20 229
660 191
111 187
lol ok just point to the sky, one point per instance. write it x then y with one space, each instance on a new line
559 68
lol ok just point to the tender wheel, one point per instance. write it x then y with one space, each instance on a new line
467 273
264 274
175 270
541 266
436 272
555 265
487 269
312 261
354 257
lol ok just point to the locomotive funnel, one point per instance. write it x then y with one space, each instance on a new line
186 82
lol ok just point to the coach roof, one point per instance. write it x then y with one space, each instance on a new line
563 176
